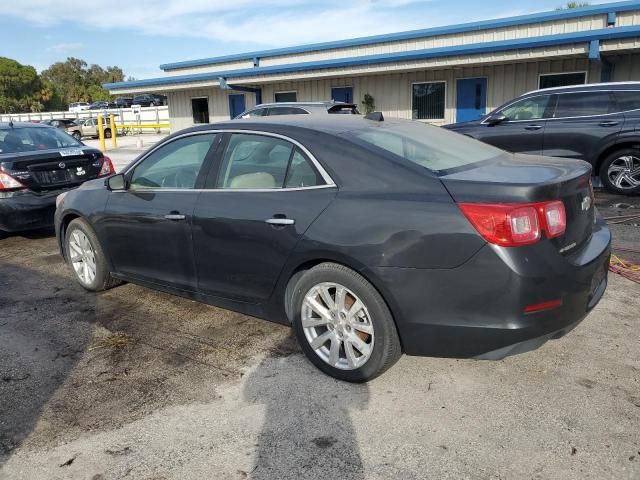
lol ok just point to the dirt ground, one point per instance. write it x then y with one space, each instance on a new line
133 383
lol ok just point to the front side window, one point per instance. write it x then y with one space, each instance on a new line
584 104
174 165
532 108
431 147
264 163
428 101
286 97
258 112
562 80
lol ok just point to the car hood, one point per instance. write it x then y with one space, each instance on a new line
462 125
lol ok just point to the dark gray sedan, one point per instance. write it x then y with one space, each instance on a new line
371 238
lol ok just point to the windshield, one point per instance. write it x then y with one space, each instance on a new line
14 140
431 147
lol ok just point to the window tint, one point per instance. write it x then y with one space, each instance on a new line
174 165
532 108
286 97
628 100
562 79
583 104
258 112
14 140
254 161
431 147
286 111
261 162
428 101
301 173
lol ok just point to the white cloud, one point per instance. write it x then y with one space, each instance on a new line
64 47
268 23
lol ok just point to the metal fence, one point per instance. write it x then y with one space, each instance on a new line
145 116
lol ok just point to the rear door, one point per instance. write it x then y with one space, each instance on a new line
581 123
147 227
523 129
265 194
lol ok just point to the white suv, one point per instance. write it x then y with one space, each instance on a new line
79 106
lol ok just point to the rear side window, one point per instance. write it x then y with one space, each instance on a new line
431 147
287 111
584 104
264 163
628 100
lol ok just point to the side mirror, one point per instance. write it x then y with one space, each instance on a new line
496 118
116 182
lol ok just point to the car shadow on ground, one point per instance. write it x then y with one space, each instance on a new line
36 355
307 430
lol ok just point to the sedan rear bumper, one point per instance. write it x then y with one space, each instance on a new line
477 309
26 210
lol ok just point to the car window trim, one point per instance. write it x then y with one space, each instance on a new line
557 94
329 183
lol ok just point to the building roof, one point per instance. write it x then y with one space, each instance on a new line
412 34
466 49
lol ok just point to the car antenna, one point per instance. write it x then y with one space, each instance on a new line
375 116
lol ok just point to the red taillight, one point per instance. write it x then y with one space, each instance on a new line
107 167
510 225
541 307
7 182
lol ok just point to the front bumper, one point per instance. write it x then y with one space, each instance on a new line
477 309
26 210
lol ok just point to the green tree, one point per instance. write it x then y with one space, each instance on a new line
571 5
20 87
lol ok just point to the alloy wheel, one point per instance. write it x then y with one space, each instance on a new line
624 172
82 257
337 326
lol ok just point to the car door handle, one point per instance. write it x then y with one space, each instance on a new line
174 216
280 221
609 123
533 127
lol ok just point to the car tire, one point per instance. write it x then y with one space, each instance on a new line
620 170
77 136
91 268
358 345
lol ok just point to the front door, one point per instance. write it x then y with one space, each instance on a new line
236 105
471 103
246 224
147 227
342 94
522 130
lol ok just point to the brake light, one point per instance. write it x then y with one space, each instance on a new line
7 182
107 167
510 225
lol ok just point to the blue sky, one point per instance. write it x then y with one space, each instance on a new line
139 35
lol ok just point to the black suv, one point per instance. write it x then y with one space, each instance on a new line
149 100
37 163
599 123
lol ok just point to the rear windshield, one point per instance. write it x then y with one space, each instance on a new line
15 140
434 148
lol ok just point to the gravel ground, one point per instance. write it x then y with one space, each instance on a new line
132 383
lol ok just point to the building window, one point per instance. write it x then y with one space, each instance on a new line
200 109
562 79
286 97
428 101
